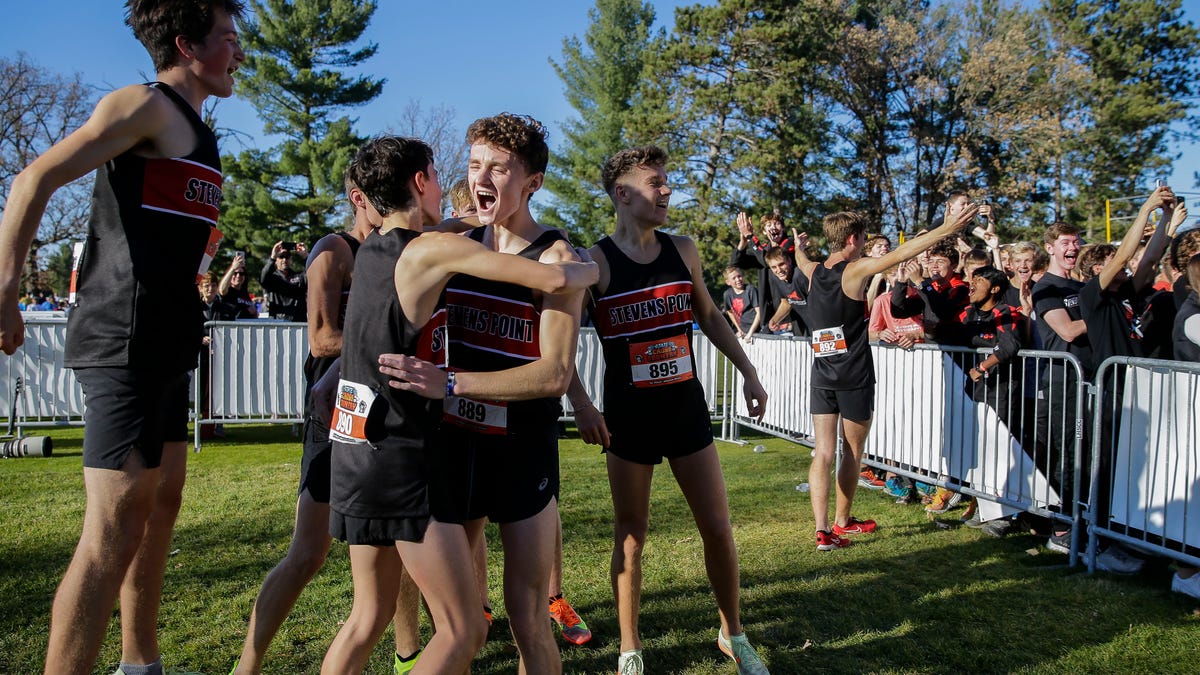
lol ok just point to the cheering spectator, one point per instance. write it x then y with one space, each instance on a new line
286 289
751 249
790 285
234 290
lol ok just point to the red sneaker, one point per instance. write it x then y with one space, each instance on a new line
854 526
828 541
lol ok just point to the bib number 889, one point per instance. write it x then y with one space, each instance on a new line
470 410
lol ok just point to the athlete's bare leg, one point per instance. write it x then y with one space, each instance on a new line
825 432
376 574
478 541
703 485
528 557
283 585
406 621
556 569
441 567
141 590
854 439
630 486
119 505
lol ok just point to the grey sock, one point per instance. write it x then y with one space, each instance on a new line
148 669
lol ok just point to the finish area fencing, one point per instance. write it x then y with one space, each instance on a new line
1023 439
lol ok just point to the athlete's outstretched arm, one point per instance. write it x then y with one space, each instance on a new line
717 329
858 272
430 260
559 274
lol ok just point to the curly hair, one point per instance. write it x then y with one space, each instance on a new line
521 135
384 166
156 23
628 159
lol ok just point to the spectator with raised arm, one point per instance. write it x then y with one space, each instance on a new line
286 289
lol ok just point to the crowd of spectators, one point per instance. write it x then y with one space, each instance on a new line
1090 300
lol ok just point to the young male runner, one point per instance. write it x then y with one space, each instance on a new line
651 287
330 270
136 327
382 471
843 378
504 450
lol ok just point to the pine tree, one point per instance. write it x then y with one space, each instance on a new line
297 55
1142 57
601 80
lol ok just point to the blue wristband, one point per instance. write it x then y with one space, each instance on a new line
450 384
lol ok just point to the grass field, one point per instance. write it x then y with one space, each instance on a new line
911 598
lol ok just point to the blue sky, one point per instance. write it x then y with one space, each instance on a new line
435 53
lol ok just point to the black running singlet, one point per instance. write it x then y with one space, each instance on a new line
152 232
839 333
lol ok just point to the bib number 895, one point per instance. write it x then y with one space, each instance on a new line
665 369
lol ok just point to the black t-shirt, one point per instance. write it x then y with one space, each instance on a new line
1053 292
795 292
1109 316
243 304
1155 319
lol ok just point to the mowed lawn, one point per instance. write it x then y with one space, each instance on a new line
914 597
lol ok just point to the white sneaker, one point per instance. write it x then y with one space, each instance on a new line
630 663
1189 586
1118 560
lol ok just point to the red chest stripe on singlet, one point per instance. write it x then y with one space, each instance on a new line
491 323
645 309
182 187
431 346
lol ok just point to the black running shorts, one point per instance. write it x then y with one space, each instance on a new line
856 405
505 479
128 409
647 427
314 461
376 531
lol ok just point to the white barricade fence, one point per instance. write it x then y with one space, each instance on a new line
933 424
50 395
1148 494
256 371
929 426
783 365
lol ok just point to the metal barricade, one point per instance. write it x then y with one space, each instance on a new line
50 395
255 373
1016 441
1145 488
783 365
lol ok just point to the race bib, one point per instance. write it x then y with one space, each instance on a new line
483 417
348 423
210 252
828 341
659 362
